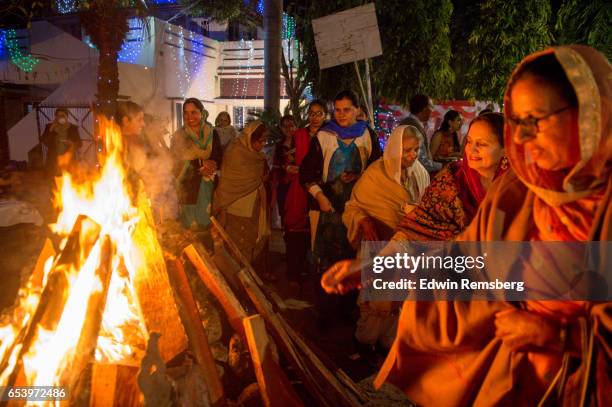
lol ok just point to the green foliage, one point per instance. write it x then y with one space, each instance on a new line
222 10
503 34
416 49
586 22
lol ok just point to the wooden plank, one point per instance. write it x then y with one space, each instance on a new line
103 385
114 385
195 331
156 302
331 386
236 251
275 388
264 307
46 252
88 339
314 359
215 282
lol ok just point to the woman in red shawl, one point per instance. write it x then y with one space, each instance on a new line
451 201
296 223
559 141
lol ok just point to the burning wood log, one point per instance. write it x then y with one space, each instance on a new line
47 251
154 294
84 352
214 280
114 385
52 299
275 388
197 337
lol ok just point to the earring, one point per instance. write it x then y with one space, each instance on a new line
505 163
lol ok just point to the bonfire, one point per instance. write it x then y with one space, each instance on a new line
99 296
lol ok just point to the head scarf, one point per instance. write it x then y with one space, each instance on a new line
381 193
566 201
392 158
470 188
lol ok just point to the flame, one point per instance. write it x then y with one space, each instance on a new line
107 199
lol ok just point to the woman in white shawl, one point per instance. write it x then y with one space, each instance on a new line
389 187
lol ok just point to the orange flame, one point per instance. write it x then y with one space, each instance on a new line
105 198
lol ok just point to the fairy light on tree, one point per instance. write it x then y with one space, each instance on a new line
26 63
288 27
133 43
67 6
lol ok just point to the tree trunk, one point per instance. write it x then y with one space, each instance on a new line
272 55
106 24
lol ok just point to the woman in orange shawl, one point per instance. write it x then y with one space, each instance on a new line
559 142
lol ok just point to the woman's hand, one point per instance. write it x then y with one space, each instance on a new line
521 330
208 168
368 229
293 169
342 277
324 204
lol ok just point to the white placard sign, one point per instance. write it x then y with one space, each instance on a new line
348 36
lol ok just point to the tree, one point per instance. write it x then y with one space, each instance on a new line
295 82
242 11
585 22
503 33
416 50
106 23
273 10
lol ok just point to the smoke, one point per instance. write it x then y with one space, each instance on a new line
152 161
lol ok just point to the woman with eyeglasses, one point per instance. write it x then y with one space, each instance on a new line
558 138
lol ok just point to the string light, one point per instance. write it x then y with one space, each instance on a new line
66 6
245 80
3 50
186 65
132 44
260 7
288 27
385 121
182 65
24 62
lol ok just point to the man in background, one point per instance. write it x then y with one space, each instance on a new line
421 107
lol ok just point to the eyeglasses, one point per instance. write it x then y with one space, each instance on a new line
531 125
315 114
